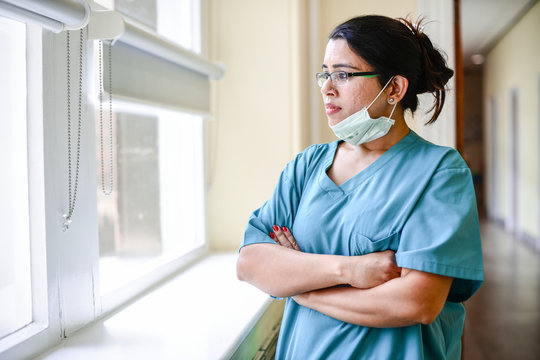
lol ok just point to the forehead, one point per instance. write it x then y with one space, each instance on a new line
338 54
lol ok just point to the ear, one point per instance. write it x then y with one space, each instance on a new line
397 88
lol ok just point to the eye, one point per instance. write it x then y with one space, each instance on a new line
322 76
341 75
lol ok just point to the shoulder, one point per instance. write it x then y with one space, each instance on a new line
315 154
440 157
308 161
318 149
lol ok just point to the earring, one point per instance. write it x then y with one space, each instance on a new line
391 101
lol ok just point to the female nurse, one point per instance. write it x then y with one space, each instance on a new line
374 238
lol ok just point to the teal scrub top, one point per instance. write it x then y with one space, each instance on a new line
418 200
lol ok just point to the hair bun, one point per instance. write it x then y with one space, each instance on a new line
435 72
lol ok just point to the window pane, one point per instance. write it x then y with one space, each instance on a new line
155 212
15 283
143 11
177 20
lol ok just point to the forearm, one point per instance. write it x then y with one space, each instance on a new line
399 302
284 272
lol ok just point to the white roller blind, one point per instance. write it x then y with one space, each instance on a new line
152 70
140 76
147 68
147 40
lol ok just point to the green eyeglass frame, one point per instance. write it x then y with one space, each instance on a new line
339 78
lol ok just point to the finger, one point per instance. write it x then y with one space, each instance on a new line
287 238
273 236
290 238
281 237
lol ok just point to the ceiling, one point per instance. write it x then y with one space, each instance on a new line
483 22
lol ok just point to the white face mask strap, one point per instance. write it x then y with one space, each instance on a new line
392 113
379 94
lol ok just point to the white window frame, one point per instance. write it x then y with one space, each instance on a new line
45 326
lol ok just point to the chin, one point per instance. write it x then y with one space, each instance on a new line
334 121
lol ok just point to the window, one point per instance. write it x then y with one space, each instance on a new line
15 280
54 282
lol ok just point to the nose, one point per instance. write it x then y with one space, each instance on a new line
328 87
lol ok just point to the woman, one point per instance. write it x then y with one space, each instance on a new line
379 230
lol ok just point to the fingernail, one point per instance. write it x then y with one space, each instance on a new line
272 235
276 228
284 229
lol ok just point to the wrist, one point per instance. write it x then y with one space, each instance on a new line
343 270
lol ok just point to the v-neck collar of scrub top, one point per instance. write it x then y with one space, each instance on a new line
350 185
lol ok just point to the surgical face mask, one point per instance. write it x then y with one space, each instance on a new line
360 128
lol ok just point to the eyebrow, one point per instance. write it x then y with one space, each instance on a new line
340 66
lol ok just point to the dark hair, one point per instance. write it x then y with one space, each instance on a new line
397 47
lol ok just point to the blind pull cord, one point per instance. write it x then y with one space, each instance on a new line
73 179
106 191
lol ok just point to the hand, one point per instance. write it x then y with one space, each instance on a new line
370 270
282 235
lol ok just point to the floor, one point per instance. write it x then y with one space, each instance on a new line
503 317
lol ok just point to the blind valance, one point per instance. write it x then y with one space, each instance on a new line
53 15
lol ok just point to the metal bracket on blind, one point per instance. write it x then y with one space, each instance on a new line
104 24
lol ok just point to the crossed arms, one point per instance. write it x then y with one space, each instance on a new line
379 294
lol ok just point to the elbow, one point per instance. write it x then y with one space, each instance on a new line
426 314
241 267
427 319
252 267
247 263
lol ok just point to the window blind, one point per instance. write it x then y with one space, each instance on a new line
146 66
156 71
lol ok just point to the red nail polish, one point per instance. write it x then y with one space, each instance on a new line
276 228
284 229
272 235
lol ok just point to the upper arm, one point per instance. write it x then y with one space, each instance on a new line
427 293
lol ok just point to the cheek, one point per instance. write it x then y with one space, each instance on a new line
353 102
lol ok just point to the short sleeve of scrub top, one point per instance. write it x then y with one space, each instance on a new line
441 235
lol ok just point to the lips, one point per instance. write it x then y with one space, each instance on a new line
331 108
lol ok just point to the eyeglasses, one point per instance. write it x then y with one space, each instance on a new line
339 78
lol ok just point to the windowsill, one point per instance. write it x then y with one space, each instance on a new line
203 313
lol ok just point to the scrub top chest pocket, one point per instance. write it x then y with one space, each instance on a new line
362 245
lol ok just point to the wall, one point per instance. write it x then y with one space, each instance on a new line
250 138
513 65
